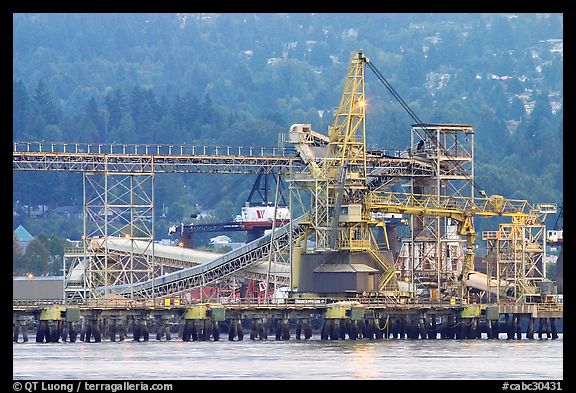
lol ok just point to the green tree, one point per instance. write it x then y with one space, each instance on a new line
36 257
225 211
116 105
17 256
21 109
48 108
126 131
145 112
95 116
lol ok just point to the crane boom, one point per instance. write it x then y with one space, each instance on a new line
342 200
461 209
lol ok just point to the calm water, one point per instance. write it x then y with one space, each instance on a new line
311 359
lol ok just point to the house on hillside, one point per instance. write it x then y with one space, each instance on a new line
67 211
23 236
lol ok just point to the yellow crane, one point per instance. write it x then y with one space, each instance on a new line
342 204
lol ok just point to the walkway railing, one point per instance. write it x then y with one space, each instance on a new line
152 149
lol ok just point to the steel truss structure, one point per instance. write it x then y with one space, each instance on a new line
516 258
118 205
435 252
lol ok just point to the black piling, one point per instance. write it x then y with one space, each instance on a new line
145 333
509 326
65 328
530 329
446 326
547 328
16 332
375 328
343 328
159 329
24 327
262 332
396 328
402 328
324 330
202 330
41 332
422 328
307 329
112 327
478 330
496 329
354 331
96 331
432 332
298 329
253 330
518 327
540 327
369 332
167 332
474 329
285 330
334 328
553 328
208 325
460 328
136 330
239 330
194 330
187 330
278 330
543 328
361 326
181 324
232 330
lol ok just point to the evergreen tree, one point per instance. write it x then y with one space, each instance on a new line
95 116
48 108
21 110
116 105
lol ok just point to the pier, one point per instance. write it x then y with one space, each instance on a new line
363 318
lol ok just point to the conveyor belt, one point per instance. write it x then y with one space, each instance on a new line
253 254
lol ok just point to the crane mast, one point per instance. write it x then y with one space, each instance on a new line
338 186
343 205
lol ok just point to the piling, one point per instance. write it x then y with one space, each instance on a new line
530 329
518 327
342 320
553 328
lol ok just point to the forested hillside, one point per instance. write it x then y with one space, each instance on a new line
241 79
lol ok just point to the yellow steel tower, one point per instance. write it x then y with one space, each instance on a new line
337 180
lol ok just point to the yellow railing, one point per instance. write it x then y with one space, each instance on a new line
555 307
494 205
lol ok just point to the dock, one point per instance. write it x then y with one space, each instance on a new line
360 318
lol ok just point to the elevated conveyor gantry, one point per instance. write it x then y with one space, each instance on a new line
248 256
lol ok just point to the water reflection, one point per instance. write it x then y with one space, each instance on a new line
281 360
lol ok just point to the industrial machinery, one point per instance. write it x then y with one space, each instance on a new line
255 218
342 245
346 258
